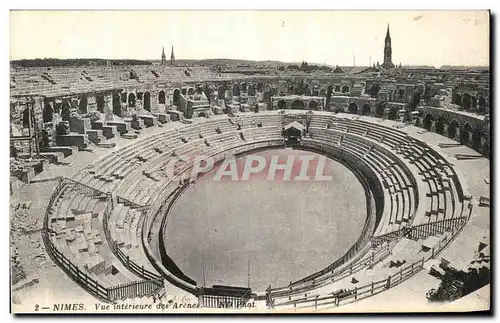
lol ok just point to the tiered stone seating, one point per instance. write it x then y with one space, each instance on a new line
75 230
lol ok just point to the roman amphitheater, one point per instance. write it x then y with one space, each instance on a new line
95 216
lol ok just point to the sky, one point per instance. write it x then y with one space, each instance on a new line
327 37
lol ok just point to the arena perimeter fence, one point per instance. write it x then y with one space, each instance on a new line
346 296
107 294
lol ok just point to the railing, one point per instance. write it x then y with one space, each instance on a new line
134 289
343 297
122 257
425 230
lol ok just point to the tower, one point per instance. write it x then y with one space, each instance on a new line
387 50
172 57
163 57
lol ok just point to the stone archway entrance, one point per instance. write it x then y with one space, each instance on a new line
428 122
48 113
298 104
147 101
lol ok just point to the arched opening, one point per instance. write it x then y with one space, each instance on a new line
439 126
339 110
202 115
322 92
345 89
353 108
66 110
147 101
131 100
124 97
281 104
221 93
379 110
26 118
452 129
476 139
177 97
313 105
329 91
481 104
82 105
236 90
337 88
486 149
117 109
190 91
207 90
464 134
366 110
456 98
417 122
251 90
100 103
393 113
260 86
297 104
184 92
161 97
428 122
244 87
466 101
47 113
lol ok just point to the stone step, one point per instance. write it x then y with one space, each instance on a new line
96 136
67 151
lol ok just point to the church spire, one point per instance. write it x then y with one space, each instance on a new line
163 57
388 50
172 57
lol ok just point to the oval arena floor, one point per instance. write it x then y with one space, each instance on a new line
277 227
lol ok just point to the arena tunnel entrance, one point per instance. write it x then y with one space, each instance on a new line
147 101
345 89
131 100
353 108
428 122
464 134
281 104
293 132
48 113
202 115
100 103
117 108
313 105
452 129
298 104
